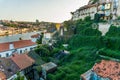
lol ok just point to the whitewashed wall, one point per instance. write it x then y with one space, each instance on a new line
3 54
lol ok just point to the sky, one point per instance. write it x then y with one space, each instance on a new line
43 10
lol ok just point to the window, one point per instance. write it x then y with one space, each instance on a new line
25 50
31 48
20 51
7 55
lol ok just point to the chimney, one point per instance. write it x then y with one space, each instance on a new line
11 46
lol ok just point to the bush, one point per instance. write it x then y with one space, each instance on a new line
75 64
90 32
81 41
113 31
109 53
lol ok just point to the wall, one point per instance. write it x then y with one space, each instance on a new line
23 49
34 39
12 77
3 54
85 12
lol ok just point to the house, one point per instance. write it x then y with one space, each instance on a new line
2 76
25 64
46 38
9 67
22 46
49 67
107 10
82 12
104 70
35 37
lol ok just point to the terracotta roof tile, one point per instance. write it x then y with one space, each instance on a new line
108 69
22 60
17 44
35 36
8 67
4 47
2 76
23 43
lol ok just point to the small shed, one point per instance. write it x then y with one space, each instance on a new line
49 67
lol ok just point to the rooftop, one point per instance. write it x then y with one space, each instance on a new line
108 69
7 68
49 66
4 47
35 36
2 76
16 44
22 60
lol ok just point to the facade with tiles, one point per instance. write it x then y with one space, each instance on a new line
22 46
107 9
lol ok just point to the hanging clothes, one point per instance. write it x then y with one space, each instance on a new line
103 8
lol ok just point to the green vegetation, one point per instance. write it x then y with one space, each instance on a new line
95 1
19 77
83 47
39 40
78 62
113 31
86 47
110 53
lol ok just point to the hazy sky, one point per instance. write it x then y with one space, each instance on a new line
43 10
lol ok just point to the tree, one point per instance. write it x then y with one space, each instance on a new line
20 38
19 77
39 40
42 51
96 18
87 18
68 24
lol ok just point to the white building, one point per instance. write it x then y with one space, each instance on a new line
22 46
107 9
46 38
35 37
82 12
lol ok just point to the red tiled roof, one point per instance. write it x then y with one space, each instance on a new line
2 76
22 60
108 69
23 43
4 47
35 36
17 44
